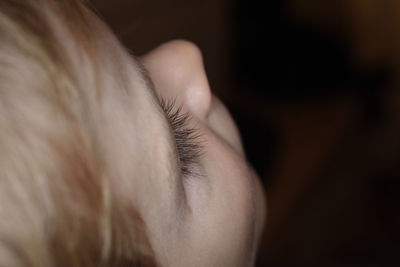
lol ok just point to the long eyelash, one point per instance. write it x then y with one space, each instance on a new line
187 139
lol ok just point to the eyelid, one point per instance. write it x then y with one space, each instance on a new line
188 148
187 139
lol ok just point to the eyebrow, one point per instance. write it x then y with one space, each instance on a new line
151 88
149 84
146 77
174 165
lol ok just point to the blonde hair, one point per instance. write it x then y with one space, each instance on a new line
56 205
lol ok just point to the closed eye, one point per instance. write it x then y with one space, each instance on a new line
187 139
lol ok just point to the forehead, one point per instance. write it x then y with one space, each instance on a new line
126 116
93 56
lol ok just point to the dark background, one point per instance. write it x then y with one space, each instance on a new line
314 88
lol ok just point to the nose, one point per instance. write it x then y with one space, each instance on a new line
177 71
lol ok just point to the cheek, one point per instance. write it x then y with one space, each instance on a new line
222 124
225 205
234 189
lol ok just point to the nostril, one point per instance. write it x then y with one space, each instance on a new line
194 81
185 48
177 70
198 96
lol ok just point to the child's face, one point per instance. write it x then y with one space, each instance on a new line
210 214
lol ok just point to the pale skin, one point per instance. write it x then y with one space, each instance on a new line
212 220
